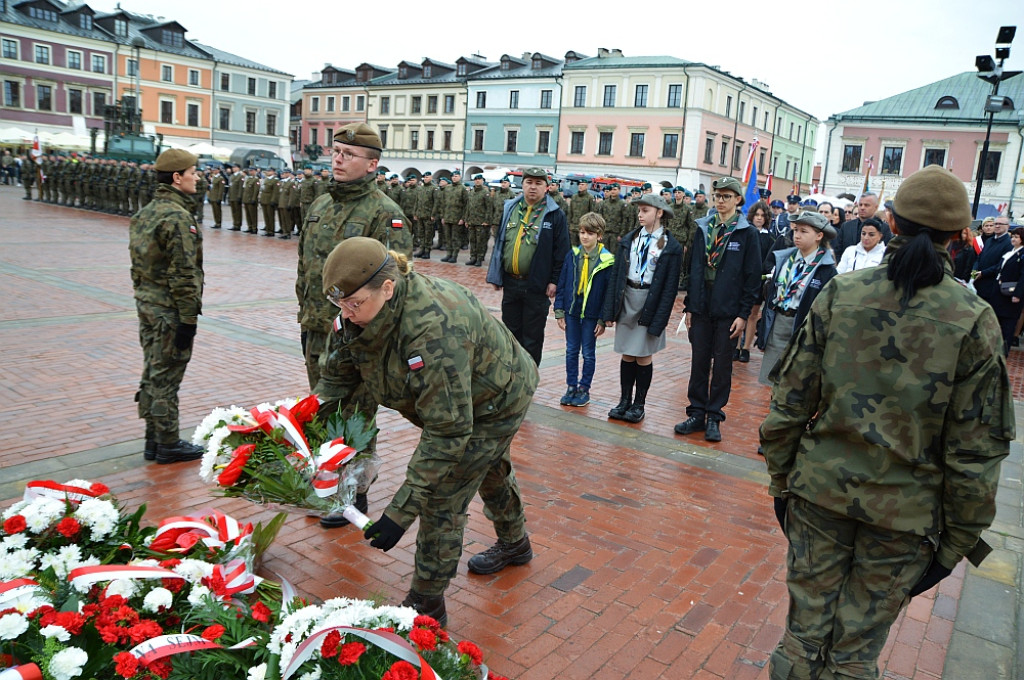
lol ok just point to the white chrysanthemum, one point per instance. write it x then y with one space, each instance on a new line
125 587
199 595
99 516
58 632
157 599
15 509
257 672
18 563
312 675
217 418
12 625
193 571
80 483
145 563
13 542
67 663
41 513
29 603
62 560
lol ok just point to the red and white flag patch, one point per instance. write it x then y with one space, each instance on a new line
337 324
416 363
396 223
192 228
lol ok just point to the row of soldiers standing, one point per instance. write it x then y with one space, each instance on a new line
106 185
284 201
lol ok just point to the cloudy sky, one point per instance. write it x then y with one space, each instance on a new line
823 57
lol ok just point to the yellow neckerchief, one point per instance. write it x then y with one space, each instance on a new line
585 272
520 235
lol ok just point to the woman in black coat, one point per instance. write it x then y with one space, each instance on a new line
1008 307
963 253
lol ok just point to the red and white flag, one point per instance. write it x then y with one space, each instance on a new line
36 150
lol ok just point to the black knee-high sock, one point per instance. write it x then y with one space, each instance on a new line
627 376
643 382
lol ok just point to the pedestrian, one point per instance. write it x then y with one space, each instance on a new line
579 303
1009 304
237 183
250 198
986 267
723 283
453 209
581 203
166 248
216 196
643 289
479 209
869 250
527 259
268 201
429 349
759 217
964 253
891 412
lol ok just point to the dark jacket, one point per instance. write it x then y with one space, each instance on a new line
552 246
824 272
1011 272
988 263
664 284
849 236
589 304
964 257
737 284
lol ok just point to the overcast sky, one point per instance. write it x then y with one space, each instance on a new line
823 57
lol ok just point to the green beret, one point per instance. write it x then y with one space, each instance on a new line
613 185
175 160
699 192
681 190
351 265
359 134
655 201
477 176
428 174
381 172
933 197
815 221
536 172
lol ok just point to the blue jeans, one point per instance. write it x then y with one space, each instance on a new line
579 335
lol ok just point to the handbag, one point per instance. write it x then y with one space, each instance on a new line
1007 288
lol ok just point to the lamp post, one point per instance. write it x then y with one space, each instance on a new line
989 71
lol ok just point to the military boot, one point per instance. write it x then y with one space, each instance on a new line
334 520
500 555
179 452
149 453
428 605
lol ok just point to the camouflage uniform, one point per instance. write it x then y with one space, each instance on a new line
321 185
134 178
500 196
123 173
683 226
29 171
307 194
616 214
700 210
452 214
235 199
479 211
167 274
147 187
217 197
250 195
284 206
581 203
424 211
469 396
200 196
268 201
348 209
886 430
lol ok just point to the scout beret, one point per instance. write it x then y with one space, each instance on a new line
933 197
175 160
655 202
478 176
535 172
352 264
359 134
815 221
792 198
729 184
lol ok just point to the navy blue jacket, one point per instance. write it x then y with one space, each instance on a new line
664 284
589 304
988 263
824 272
737 285
552 245
1011 272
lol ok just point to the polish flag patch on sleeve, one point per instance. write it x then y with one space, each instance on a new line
337 324
416 363
396 223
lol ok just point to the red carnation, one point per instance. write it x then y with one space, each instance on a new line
161 668
424 639
233 471
173 584
213 633
472 651
330 644
170 562
261 612
127 664
147 629
306 409
350 652
99 489
423 621
14 524
401 670
72 622
68 527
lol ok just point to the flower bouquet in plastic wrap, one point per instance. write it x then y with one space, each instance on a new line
285 454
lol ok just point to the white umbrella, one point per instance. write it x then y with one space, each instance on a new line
66 140
13 135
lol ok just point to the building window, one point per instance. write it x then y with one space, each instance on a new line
767 115
384 138
225 119
742 110
272 89
640 98
427 71
447 140
251 89
481 100
990 173
42 14
478 140
753 117
172 38
131 67
609 96
225 82
417 105
791 125
460 70
799 132
787 170
543 141
513 99
271 123
545 99
892 160
128 102
851 158
74 60
670 145
10 49
74 101
414 140
579 96
166 74
636 144
724 152
250 124
346 103
385 105
947 102
329 133
737 149
12 93
99 102
85 21
167 112
432 104
934 157
604 144
430 140
576 142
505 64
42 54
330 105
449 103
511 140
44 94
403 72
709 149
313 136
193 77
192 115
728 106
120 27
778 126
314 104
675 96
537 63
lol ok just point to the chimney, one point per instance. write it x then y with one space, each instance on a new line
602 52
616 52
526 56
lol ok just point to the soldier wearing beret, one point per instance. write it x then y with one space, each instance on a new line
479 210
284 203
235 183
250 196
683 224
617 217
700 205
891 413
424 212
216 196
166 248
453 210
581 203
429 349
307 194
268 201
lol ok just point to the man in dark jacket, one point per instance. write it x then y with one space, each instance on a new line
849 231
722 284
529 250
986 268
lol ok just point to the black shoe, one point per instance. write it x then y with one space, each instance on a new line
690 425
744 356
567 398
428 605
635 413
236 229
446 258
269 233
713 433
216 226
619 410
149 453
472 262
500 555
336 519
425 255
454 257
735 355
479 263
285 236
179 452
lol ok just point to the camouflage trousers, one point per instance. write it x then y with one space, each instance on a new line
574 235
200 202
447 235
162 371
487 469
479 236
457 237
848 581
425 232
611 241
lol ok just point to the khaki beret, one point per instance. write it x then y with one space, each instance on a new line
359 134
536 172
175 160
655 201
815 221
933 197
729 184
351 265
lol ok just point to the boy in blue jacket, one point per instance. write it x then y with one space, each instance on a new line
578 301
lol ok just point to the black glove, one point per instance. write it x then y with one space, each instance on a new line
936 572
183 335
384 532
302 339
780 512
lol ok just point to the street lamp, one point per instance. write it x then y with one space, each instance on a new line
993 73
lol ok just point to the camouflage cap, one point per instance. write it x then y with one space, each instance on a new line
933 197
729 184
359 134
175 160
815 221
655 201
535 172
351 265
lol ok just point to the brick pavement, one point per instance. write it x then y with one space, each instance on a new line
656 556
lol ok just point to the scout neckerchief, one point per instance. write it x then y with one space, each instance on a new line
793 273
642 251
585 269
716 245
528 231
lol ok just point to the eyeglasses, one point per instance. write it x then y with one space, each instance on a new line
335 298
347 155
724 197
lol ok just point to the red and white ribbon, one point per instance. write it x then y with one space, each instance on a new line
268 420
216 529
237 578
166 645
12 591
29 671
389 642
50 489
329 458
325 483
86 576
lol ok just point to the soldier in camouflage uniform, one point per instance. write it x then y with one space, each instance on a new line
683 225
479 212
407 202
237 180
307 194
134 177
216 196
617 217
121 180
700 205
202 184
429 349
147 185
891 412
284 202
29 174
424 212
453 216
250 196
442 188
166 249
504 193
580 204
268 201
323 182
555 192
